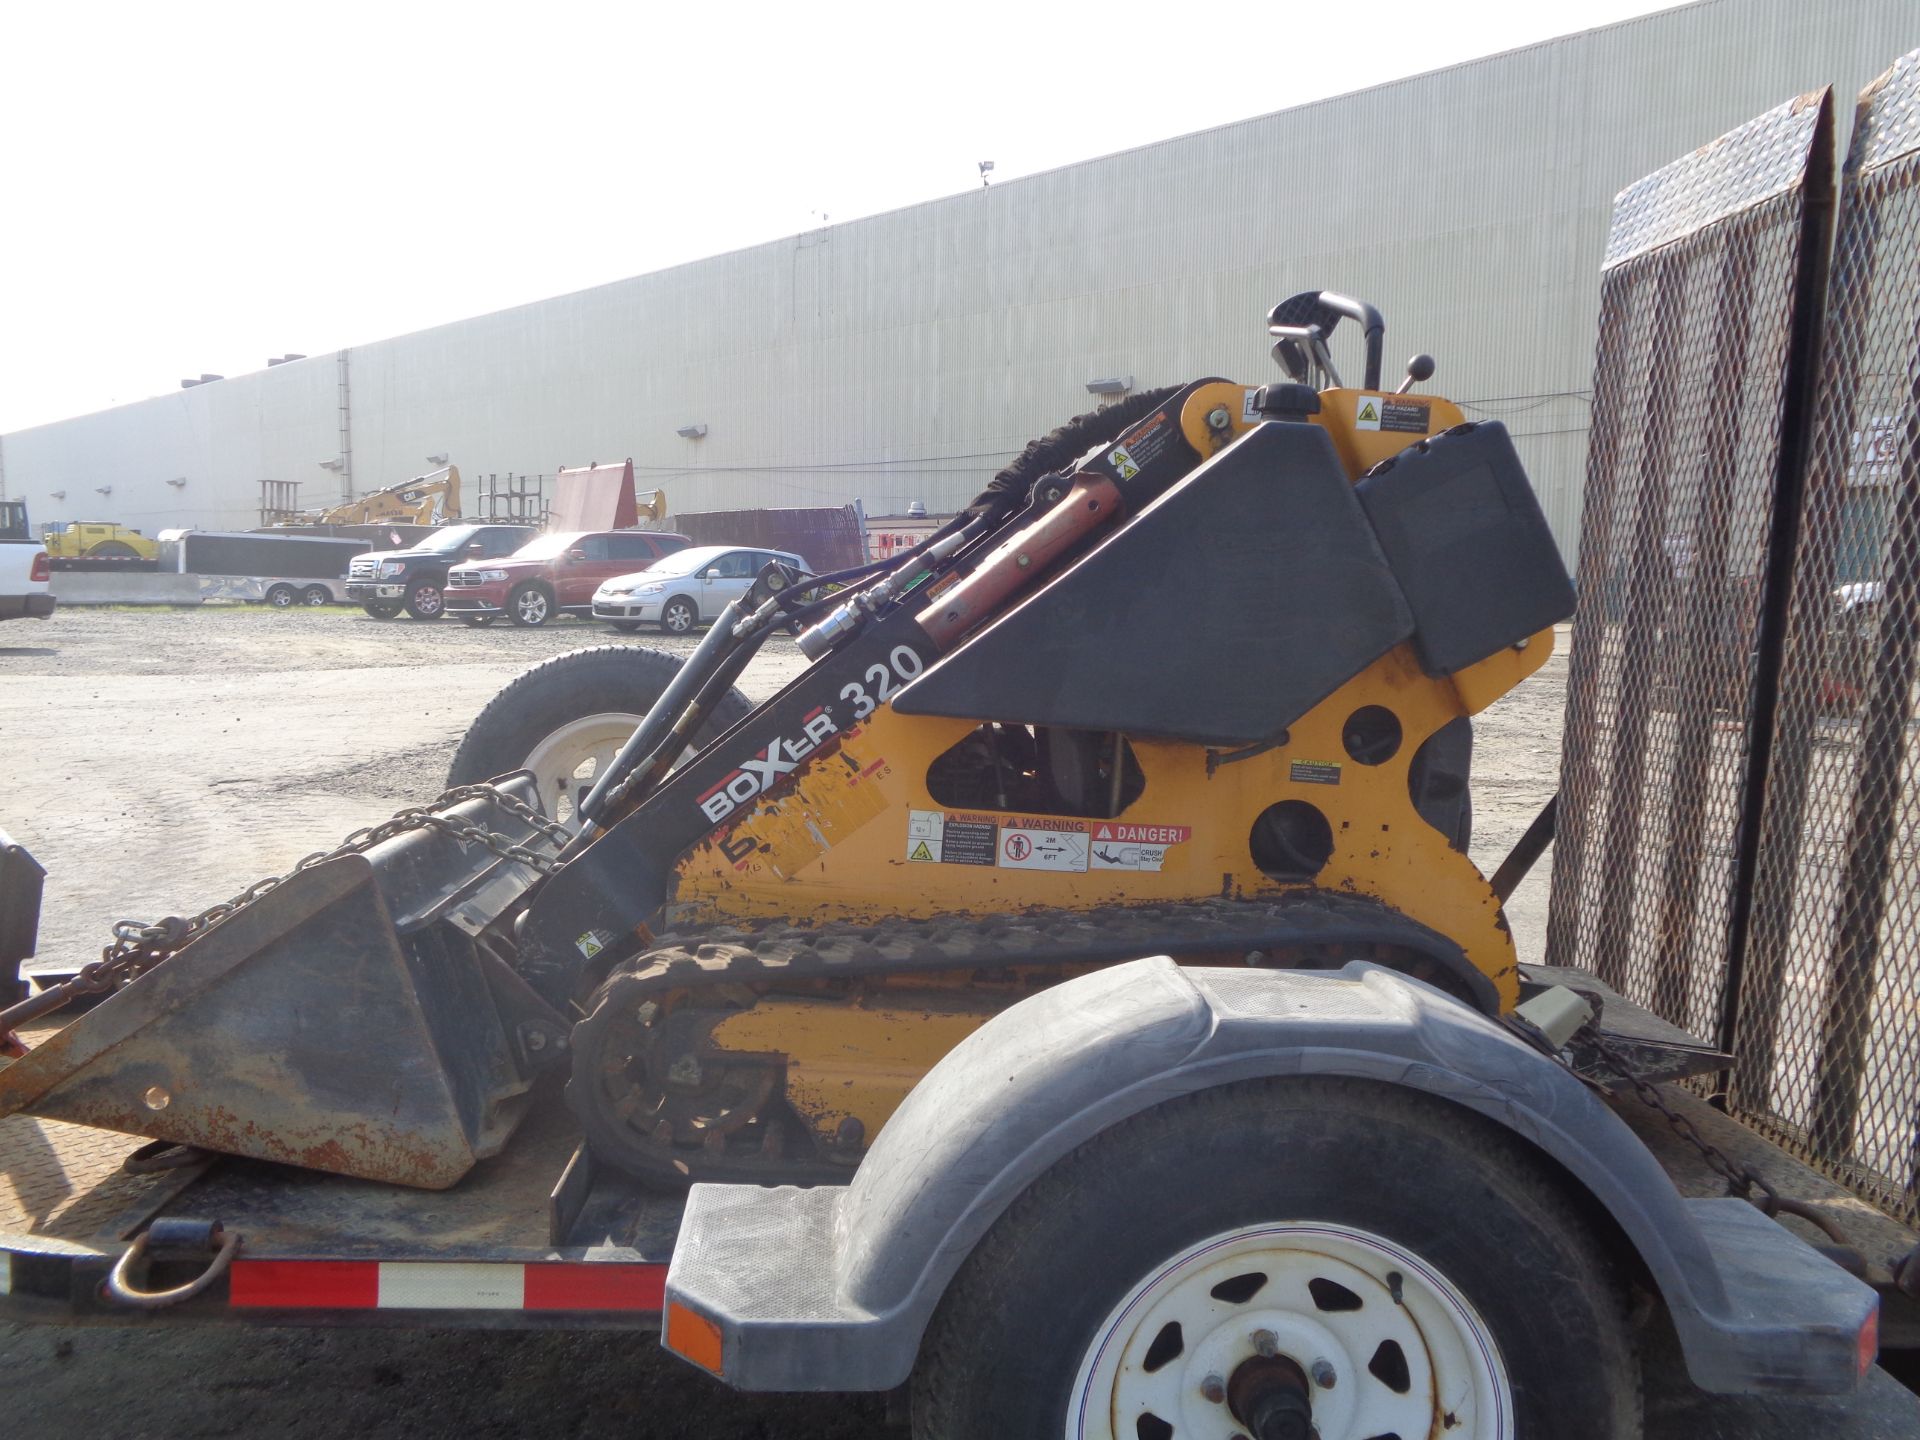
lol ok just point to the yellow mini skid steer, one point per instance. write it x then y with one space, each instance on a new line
1193 677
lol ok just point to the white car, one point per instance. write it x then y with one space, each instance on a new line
687 588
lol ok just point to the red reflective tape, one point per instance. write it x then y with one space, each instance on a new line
586 1286
304 1284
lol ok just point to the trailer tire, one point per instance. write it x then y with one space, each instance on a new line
382 609
282 597
572 709
1379 1211
316 595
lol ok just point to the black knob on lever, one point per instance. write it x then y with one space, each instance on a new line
1419 369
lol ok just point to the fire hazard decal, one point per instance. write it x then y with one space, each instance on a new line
1038 842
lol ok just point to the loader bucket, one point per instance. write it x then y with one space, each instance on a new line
345 1021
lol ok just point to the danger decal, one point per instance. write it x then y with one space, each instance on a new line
1038 842
1133 847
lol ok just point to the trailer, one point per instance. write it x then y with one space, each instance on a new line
277 569
1323 1173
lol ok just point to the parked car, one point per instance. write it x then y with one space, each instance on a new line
685 589
385 582
552 574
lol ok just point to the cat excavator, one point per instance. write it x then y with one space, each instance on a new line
1193 677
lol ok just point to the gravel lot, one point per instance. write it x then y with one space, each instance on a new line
163 759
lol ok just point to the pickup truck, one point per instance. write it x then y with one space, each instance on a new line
384 582
24 576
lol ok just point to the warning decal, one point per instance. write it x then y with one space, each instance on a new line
1030 843
1038 842
1407 416
1366 415
1133 847
933 836
924 834
1314 772
968 841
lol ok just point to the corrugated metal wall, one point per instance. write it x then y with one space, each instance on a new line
905 356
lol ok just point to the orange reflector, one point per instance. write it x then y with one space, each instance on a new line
694 1337
1869 1342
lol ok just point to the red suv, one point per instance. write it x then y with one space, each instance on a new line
552 574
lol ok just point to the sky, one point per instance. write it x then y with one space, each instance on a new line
189 189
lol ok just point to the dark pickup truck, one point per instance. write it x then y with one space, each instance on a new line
385 582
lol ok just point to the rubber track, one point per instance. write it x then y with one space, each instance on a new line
1333 928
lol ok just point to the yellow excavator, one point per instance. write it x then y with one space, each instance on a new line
429 499
1193 676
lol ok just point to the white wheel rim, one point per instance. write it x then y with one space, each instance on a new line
1454 1382
569 759
677 619
533 606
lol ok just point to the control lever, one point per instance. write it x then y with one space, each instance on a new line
1419 369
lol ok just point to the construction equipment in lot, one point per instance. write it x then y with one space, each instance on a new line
429 499
1329 1161
99 545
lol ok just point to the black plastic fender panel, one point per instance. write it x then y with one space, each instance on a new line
830 1289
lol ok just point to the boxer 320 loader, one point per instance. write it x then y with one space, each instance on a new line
1193 679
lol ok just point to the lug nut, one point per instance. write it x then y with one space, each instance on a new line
1323 1375
1213 1388
1265 1343
1218 419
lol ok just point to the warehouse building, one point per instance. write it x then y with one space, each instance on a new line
904 357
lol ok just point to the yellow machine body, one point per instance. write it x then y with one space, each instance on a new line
858 838
98 540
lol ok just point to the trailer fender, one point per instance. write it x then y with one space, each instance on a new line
831 1289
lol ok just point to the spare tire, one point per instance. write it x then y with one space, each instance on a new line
567 717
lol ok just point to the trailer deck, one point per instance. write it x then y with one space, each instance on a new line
534 1238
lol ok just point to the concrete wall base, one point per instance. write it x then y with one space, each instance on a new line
85 587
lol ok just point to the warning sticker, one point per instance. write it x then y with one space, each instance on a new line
1407 416
1366 415
1133 847
1029 843
1141 834
1109 855
925 835
1314 772
1146 442
968 841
